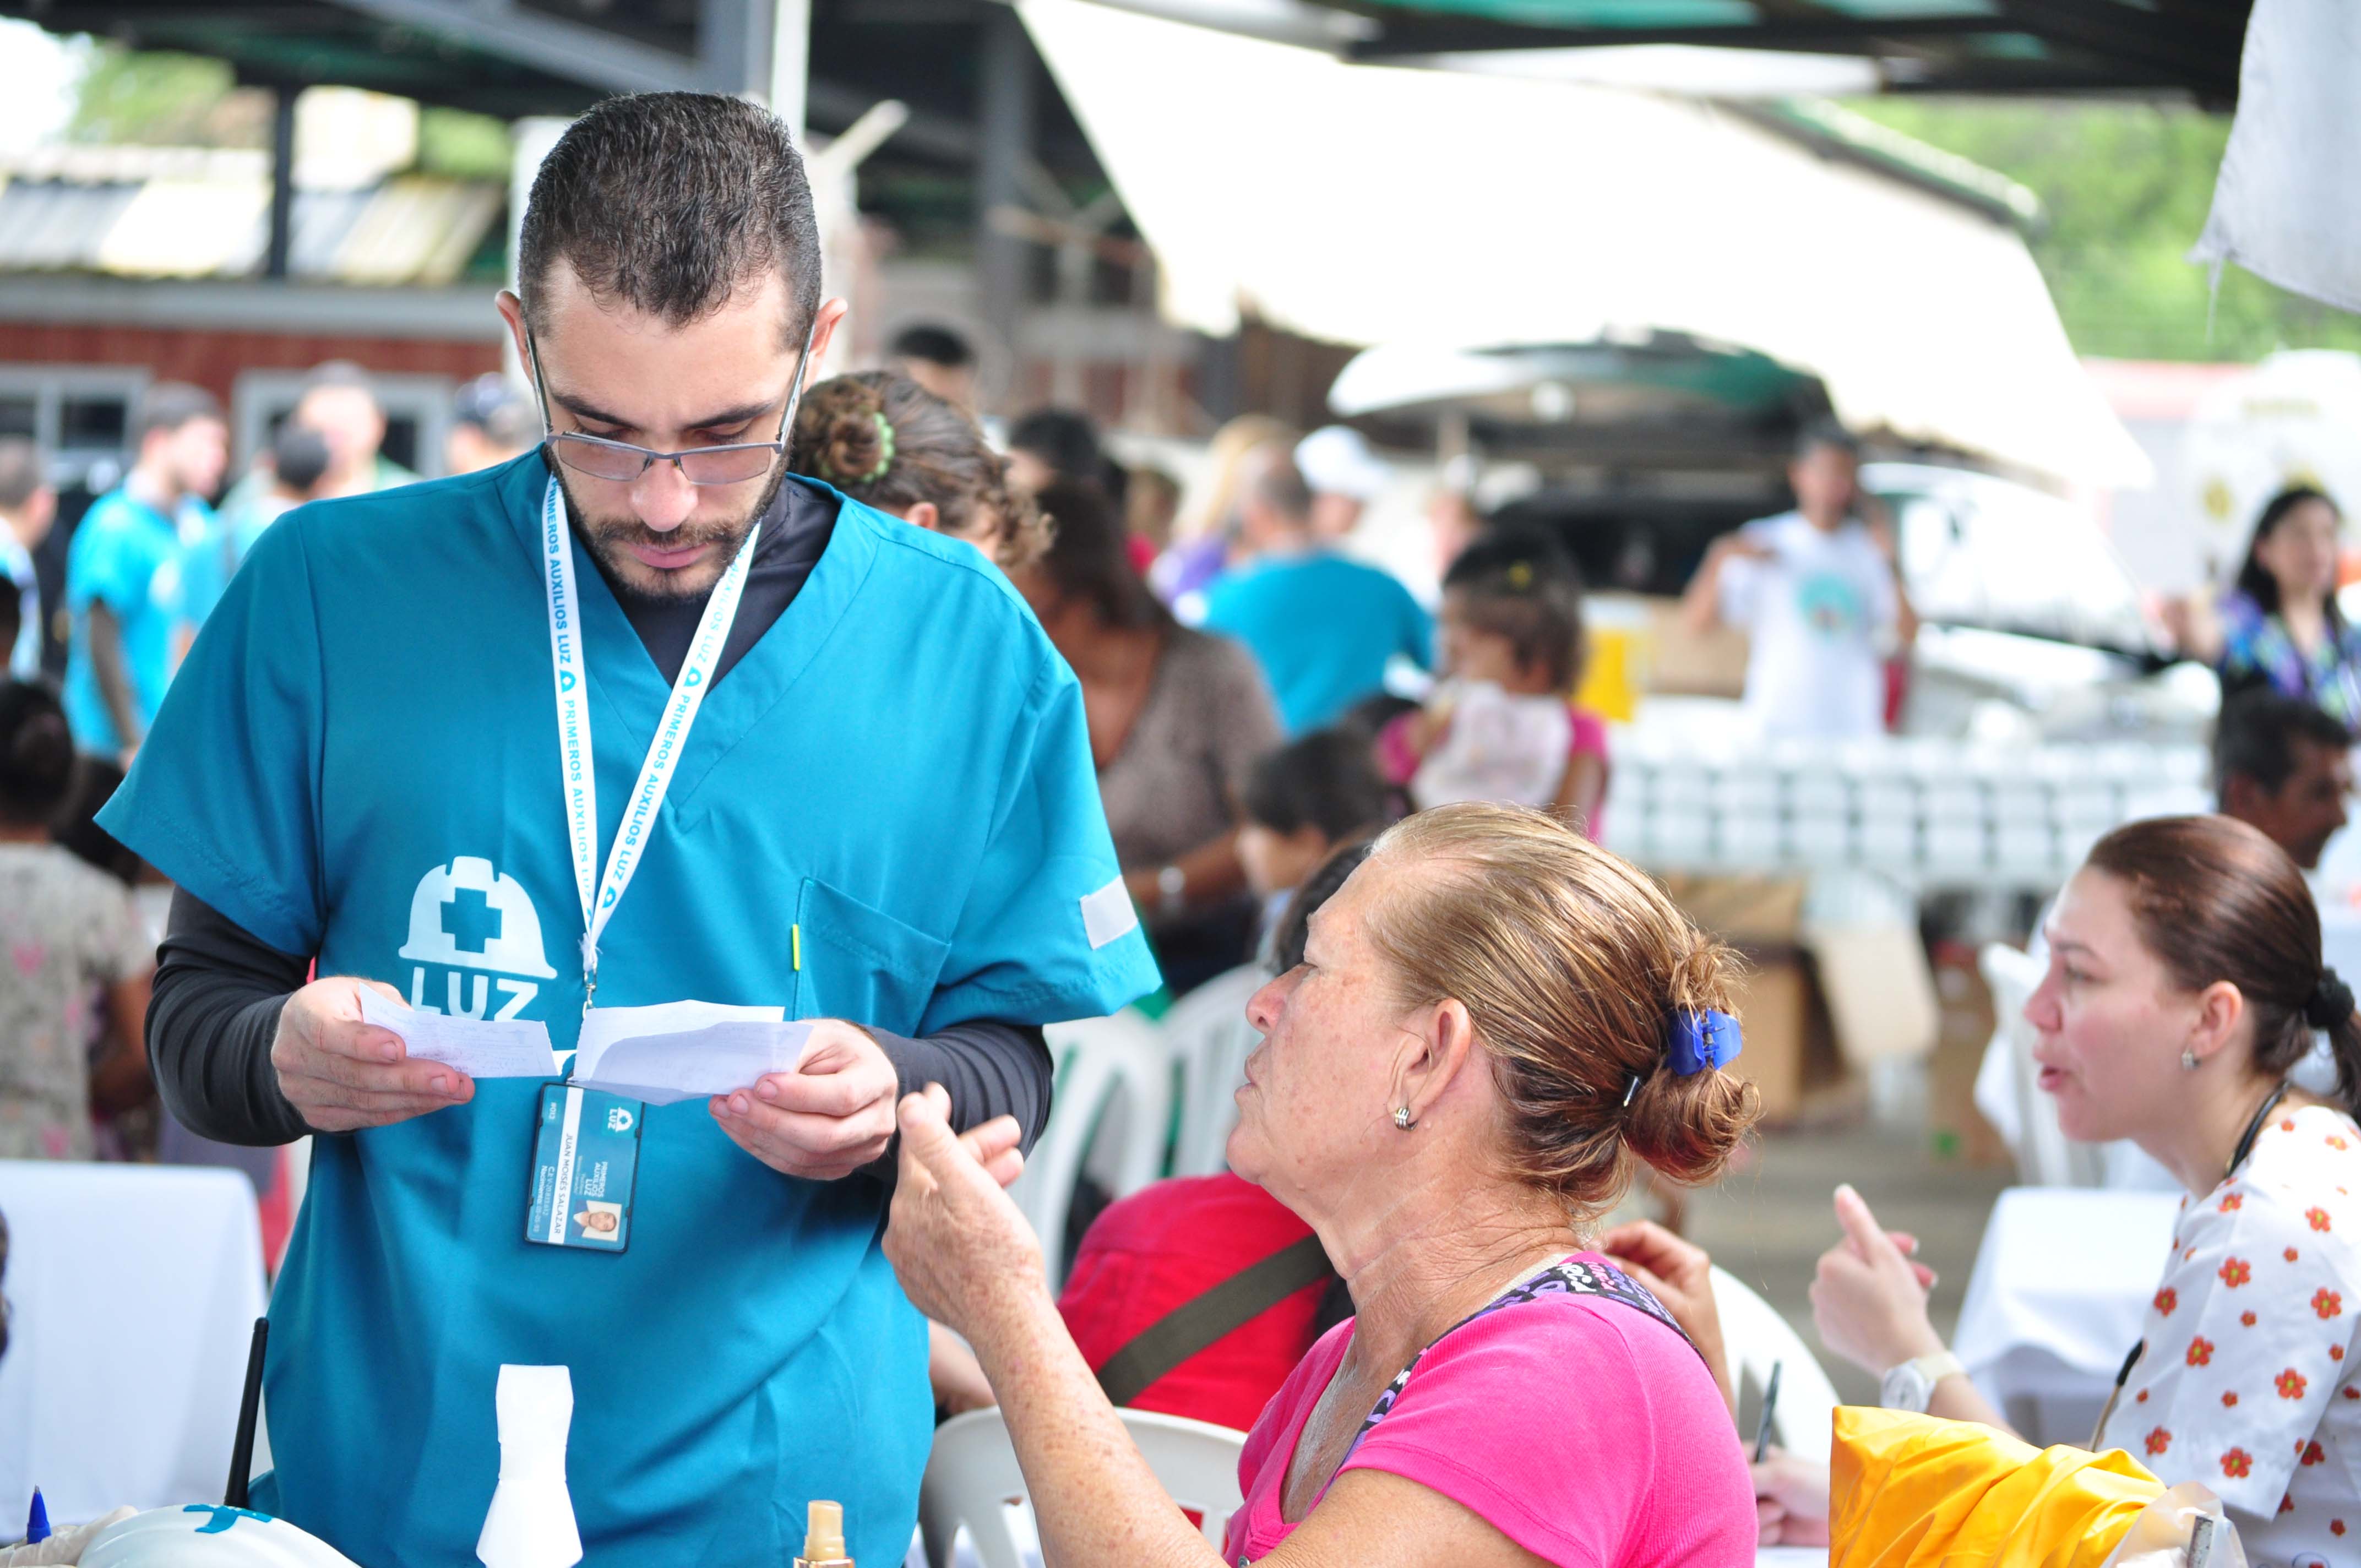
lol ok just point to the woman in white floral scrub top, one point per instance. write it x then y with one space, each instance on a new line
69 936
2185 981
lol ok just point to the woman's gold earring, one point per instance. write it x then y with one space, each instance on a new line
1401 1117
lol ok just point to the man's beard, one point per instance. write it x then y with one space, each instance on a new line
609 540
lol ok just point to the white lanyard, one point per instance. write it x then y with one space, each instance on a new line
578 772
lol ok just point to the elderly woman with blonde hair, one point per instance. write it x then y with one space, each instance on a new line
1494 1020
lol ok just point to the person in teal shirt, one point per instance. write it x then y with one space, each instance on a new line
123 577
882 819
1325 628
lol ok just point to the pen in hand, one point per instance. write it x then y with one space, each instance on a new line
1770 1408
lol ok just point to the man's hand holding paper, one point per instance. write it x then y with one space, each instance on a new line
343 1073
827 1119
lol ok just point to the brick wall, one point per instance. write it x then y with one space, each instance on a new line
212 358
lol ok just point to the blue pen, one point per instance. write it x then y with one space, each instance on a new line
37 1523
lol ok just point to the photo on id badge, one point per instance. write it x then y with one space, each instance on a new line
586 1159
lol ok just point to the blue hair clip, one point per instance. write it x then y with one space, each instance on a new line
1701 1040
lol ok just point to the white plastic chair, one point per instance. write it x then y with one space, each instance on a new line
1209 1038
1755 1336
2045 1155
1115 1081
972 1480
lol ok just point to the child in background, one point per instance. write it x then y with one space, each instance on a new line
1502 725
1302 802
74 1002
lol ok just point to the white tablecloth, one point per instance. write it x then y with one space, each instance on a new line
2055 1302
135 1290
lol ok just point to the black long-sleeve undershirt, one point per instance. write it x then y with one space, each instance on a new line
219 990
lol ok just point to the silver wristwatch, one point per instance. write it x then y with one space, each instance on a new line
1911 1385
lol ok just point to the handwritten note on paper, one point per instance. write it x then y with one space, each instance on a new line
516 1047
685 1050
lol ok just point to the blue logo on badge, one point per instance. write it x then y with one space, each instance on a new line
691 678
619 1120
565 680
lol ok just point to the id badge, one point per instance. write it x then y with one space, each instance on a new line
586 1157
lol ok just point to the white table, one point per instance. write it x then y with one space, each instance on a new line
135 1290
2060 1284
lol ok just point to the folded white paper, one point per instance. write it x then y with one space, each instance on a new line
531 1524
480 1048
685 1050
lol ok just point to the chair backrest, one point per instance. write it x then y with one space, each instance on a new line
1210 1039
1112 1075
1755 1337
2046 1157
972 1480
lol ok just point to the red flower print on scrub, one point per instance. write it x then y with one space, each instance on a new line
2290 1254
2158 1441
2319 1218
2229 1399
2336 1527
2232 1201
2337 1142
2201 1351
2165 1300
2327 1303
2246 1319
2290 1383
2235 1271
2313 1453
2353 1393
2237 1464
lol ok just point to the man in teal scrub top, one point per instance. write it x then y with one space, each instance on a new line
1324 627
123 577
883 817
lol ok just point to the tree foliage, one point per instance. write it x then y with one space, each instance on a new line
2126 187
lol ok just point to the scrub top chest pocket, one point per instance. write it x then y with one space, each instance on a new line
858 963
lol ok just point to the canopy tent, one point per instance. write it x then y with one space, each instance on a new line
1370 204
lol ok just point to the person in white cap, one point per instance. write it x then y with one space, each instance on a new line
1344 477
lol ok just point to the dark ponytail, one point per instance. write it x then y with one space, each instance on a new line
2215 900
37 754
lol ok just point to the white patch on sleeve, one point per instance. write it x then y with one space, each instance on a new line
1107 913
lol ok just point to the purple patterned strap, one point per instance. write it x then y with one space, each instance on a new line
1575 1277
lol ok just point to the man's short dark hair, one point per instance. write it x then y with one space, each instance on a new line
2255 738
298 456
1282 487
1325 780
21 474
169 405
935 344
1063 439
1826 432
668 203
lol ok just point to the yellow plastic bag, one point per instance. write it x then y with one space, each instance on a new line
1912 1491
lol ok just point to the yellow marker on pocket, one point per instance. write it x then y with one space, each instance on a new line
795 940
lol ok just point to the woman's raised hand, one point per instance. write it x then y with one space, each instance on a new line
957 1241
1869 1298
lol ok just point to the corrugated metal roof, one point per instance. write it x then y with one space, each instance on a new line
198 212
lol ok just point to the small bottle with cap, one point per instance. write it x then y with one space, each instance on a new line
824 1537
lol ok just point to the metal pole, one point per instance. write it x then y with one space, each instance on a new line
282 183
1005 144
790 62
